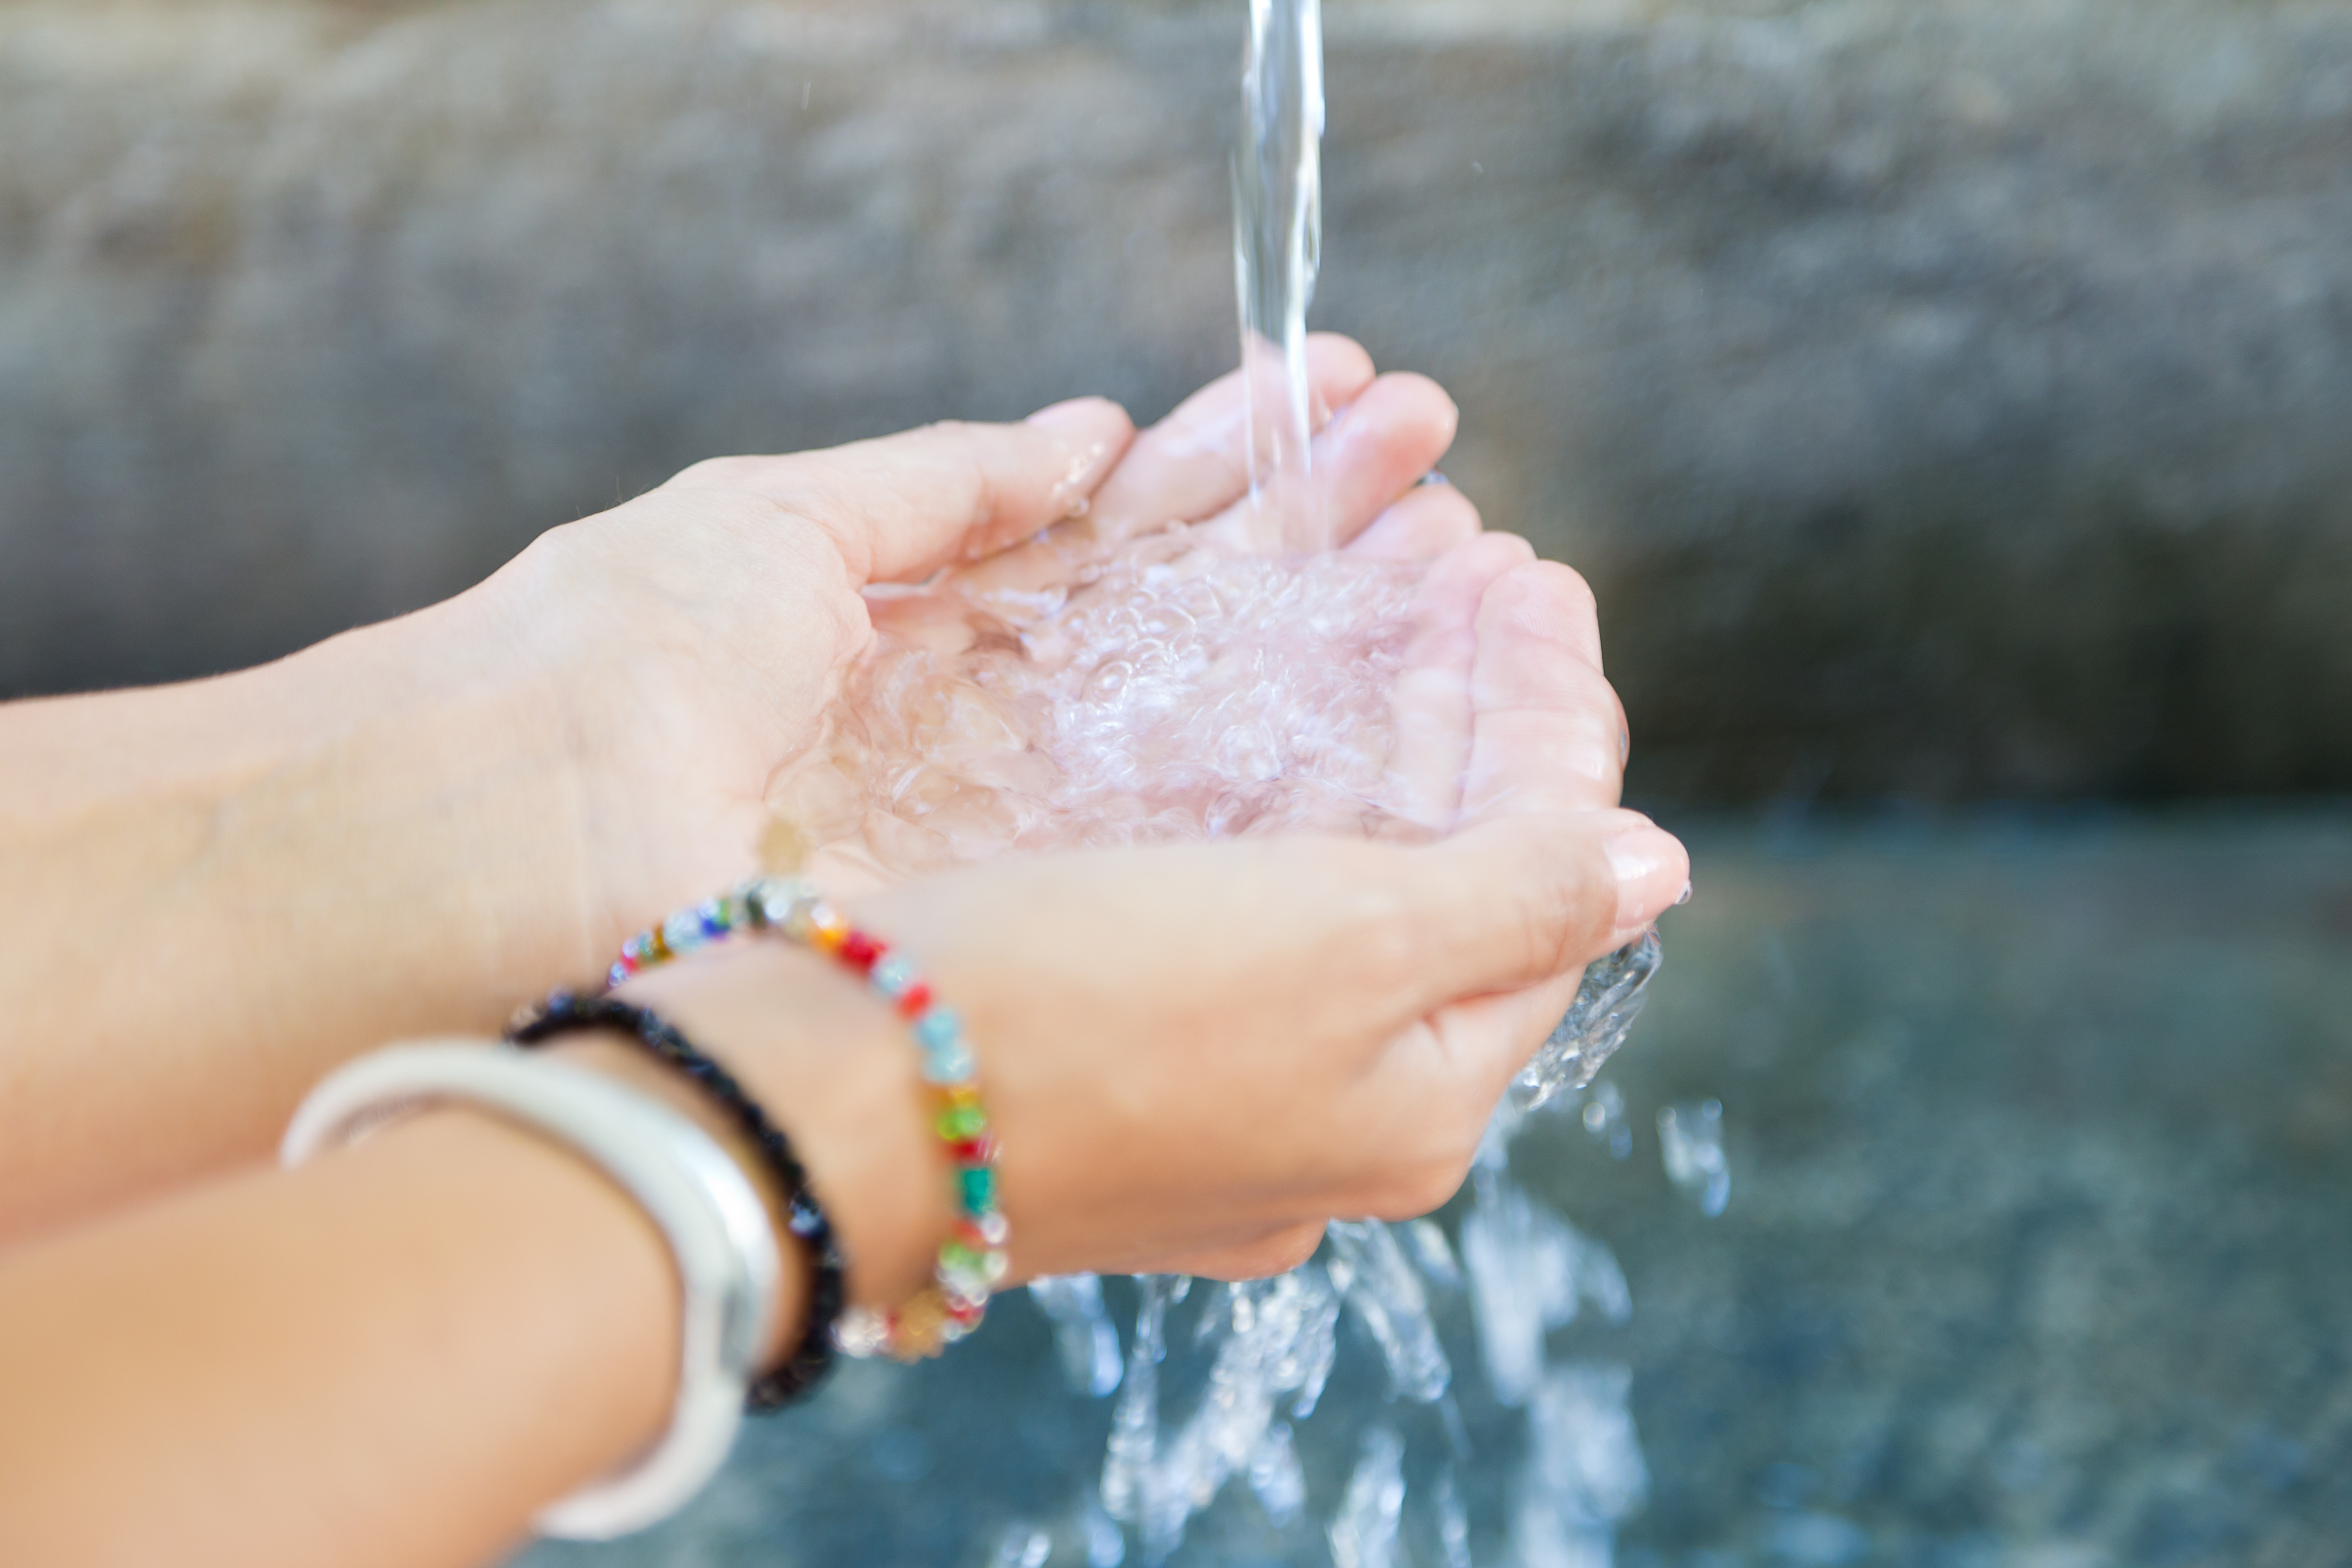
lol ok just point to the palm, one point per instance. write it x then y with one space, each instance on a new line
717 614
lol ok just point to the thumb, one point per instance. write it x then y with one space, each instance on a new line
904 506
1524 898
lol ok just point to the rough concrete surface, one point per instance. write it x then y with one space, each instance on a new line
1945 397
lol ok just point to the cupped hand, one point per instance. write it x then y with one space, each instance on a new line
691 638
1196 1055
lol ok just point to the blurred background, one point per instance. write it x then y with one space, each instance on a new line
1950 400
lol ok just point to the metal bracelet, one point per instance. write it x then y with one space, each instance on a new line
705 1207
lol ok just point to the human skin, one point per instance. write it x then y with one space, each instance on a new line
398 1354
219 889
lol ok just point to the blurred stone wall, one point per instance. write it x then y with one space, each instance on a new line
1947 397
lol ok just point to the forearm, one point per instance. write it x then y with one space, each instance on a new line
393 1356
218 890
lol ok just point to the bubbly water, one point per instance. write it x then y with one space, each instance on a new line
1178 689
1195 682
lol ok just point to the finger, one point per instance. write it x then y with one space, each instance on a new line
1431 708
1495 1036
1195 463
904 505
1547 732
1522 898
1374 450
1378 447
1428 521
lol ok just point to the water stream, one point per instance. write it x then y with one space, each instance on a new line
1277 252
1202 681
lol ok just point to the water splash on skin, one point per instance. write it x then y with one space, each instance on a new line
1182 691
1608 1000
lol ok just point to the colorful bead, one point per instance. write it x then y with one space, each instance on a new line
892 976
972 1261
959 1123
952 1065
775 900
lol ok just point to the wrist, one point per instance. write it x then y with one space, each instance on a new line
613 1054
834 1069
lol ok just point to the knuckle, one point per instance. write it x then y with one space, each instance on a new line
1563 913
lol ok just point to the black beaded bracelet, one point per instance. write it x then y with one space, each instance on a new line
564 1013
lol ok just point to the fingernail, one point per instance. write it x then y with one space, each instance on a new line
1651 872
1684 896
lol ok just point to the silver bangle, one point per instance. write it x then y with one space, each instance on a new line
717 1229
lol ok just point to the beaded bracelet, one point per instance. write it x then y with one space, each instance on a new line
565 1014
972 1260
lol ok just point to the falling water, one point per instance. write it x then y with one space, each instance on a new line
1527 1271
1277 251
1173 685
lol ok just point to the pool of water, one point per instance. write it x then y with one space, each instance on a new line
2034 1254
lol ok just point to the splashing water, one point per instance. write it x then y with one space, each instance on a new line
1690 1141
1607 999
1022 1545
1363 1533
1384 1291
1082 1330
1127 683
1272 1337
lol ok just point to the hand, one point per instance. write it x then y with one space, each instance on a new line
418 826
693 637
1196 1055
